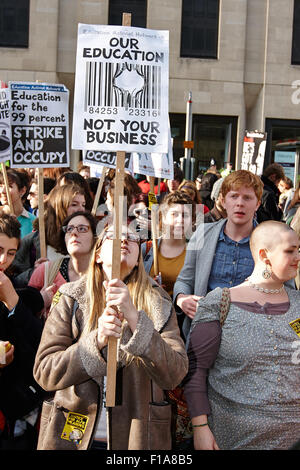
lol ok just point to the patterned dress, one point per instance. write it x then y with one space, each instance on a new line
254 384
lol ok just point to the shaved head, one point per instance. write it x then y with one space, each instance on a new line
267 235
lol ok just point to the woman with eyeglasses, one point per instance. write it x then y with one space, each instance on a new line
61 202
78 236
72 356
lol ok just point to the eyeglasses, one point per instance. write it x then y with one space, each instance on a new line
130 237
80 228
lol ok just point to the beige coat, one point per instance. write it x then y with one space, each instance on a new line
72 366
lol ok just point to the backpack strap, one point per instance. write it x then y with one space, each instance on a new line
225 305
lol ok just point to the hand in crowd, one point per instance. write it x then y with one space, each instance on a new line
188 304
109 324
40 261
143 223
117 295
8 294
47 294
204 439
9 355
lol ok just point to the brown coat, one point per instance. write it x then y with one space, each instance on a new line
74 370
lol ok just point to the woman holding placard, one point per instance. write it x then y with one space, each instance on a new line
71 360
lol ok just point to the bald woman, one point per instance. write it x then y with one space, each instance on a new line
243 384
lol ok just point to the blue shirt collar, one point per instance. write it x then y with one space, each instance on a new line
226 239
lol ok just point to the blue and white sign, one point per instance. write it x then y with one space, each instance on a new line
287 160
5 131
39 125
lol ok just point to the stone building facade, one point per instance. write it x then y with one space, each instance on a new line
251 84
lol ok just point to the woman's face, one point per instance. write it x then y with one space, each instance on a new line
8 249
77 204
79 236
130 249
177 220
15 193
284 256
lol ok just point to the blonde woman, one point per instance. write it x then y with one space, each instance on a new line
71 360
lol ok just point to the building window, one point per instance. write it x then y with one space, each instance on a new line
214 137
296 34
137 8
14 23
282 135
199 28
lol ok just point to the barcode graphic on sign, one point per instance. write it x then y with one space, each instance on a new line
123 85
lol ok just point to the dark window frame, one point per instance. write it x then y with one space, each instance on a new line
295 55
180 119
14 37
270 123
124 7
188 17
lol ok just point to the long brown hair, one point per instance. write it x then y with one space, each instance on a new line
56 207
140 289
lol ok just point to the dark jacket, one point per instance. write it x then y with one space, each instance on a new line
27 254
19 393
269 209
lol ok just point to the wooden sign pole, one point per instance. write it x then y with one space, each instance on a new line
98 192
154 214
42 236
3 168
116 256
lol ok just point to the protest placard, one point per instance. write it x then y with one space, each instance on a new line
5 130
107 159
159 165
39 125
121 89
254 152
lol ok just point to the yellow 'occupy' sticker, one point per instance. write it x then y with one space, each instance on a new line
56 298
74 427
295 324
152 199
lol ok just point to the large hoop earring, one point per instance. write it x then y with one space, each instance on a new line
267 272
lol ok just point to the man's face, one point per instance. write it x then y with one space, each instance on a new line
241 205
33 196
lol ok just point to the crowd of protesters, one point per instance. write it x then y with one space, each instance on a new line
228 239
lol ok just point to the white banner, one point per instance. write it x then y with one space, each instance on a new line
5 130
159 165
121 89
254 152
39 125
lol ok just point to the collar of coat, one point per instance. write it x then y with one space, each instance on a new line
162 307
